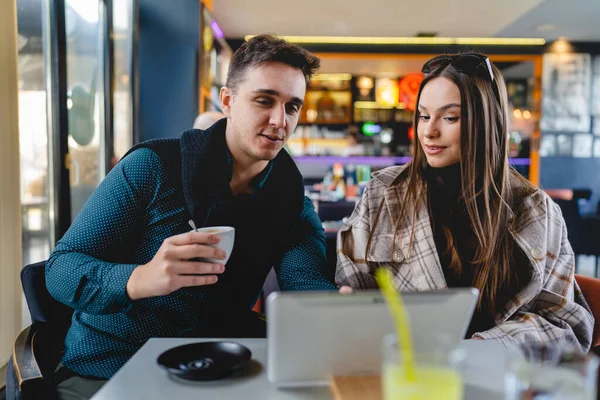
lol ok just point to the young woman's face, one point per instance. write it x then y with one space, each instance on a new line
438 128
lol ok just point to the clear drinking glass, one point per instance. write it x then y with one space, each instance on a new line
551 372
438 373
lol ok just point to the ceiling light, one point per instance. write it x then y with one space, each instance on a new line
561 46
411 40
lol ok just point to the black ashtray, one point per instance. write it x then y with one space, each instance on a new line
205 361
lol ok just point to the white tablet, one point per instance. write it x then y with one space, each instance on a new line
313 336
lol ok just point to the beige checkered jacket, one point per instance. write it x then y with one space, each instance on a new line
549 308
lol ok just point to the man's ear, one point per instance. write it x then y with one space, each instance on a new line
226 98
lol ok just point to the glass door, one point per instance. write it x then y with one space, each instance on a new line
124 82
76 107
85 24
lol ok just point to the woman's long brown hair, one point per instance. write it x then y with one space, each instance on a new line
486 182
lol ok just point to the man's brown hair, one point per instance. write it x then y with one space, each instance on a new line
263 49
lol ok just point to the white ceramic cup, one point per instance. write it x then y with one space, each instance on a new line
227 236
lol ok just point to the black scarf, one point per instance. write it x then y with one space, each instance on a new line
448 210
197 166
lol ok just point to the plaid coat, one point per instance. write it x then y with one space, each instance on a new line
549 308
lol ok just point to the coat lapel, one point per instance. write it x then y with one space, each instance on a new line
532 220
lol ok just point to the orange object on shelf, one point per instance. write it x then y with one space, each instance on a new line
409 89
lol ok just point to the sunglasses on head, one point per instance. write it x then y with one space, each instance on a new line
469 64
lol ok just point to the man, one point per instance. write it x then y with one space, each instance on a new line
207 119
130 266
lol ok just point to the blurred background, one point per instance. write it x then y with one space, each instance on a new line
98 76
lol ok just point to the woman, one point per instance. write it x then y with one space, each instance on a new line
458 215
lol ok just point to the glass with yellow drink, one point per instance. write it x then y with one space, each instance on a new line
437 373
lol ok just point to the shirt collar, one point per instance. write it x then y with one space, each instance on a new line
258 182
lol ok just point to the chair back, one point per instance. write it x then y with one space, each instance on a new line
582 193
590 287
572 217
42 306
40 346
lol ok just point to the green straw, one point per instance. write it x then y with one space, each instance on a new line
394 301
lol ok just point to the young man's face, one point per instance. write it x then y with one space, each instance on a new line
263 112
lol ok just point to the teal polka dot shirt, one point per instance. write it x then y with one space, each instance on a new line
122 225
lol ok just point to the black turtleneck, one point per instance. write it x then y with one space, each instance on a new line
448 210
